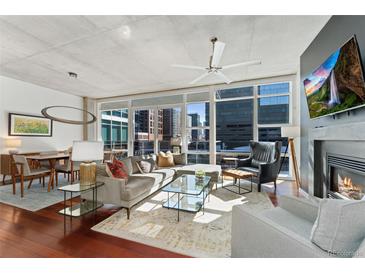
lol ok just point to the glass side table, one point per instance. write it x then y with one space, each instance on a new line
83 207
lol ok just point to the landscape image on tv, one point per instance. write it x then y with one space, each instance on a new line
338 84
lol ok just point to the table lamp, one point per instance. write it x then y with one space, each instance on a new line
291 133
176 143
87 152
12 145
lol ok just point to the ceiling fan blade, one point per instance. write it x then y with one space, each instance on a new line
217 53
188 67
201 77
248 63
223 77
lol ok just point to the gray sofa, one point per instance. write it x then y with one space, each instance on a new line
281 232
127 193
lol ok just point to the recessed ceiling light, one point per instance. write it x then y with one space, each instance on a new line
72 74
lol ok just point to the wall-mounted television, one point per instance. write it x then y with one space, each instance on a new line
337 85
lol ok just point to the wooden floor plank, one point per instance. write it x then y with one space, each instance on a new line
41 234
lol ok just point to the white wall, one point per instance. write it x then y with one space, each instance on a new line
22 97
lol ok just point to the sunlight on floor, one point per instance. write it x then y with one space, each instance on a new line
206 217
147 207
218 204
160 197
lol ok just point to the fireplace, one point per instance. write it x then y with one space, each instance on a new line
345 177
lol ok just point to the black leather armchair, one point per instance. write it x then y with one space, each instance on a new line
264 161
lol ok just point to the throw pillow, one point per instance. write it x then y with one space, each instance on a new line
128 167
180 159
166 159
117 169
134 160
340 226
146 166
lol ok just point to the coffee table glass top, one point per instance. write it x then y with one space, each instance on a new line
76 187
188 184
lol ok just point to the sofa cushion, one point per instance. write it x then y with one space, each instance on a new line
136 186
101 170
141 183
166 172
290 221
340 226
146 165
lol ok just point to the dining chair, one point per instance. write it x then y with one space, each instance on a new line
26 173
70 168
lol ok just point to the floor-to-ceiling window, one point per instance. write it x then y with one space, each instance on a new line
169 127
144 132
273 112
234 122
250 113
197 130
114 129
241 114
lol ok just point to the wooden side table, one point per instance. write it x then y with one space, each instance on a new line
237 174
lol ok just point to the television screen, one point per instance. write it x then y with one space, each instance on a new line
338 84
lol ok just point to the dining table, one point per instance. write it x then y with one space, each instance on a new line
52 159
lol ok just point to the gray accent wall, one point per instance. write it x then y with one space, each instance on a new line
334 34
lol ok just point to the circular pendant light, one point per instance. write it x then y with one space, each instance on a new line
67 121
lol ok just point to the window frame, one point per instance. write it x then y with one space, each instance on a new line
211 100
256 126
195 152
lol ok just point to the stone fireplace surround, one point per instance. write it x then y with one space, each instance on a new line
342 139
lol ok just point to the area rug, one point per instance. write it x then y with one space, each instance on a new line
34 198
196 234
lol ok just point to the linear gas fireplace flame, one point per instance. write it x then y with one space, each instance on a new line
346 179
349 189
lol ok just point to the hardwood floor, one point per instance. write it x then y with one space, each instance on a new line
41 234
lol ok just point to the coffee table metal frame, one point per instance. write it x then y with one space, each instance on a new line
199 196
235 176
83 207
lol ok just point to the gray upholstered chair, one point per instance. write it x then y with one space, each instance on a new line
264 162
280 232
26 173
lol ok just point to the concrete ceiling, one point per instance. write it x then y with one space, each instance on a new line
123 55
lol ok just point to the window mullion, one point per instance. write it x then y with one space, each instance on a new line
255 113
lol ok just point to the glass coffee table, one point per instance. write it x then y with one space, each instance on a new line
187 193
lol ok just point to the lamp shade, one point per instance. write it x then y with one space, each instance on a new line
13 143
290 132
87 151
176 141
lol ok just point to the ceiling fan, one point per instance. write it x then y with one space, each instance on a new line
213 67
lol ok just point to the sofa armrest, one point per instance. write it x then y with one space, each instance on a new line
110 192
300 207
244 162
255 236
